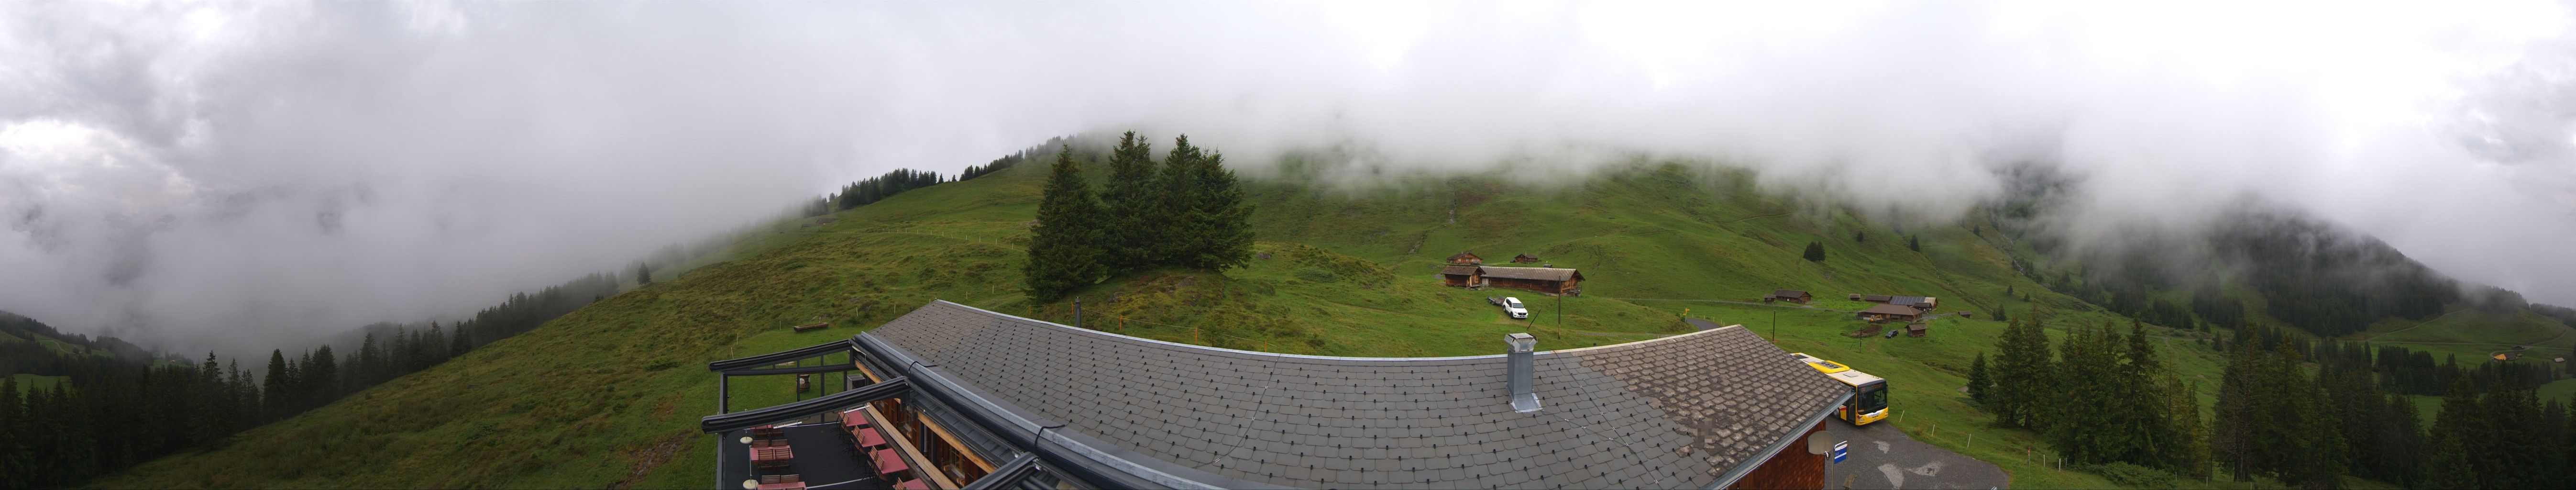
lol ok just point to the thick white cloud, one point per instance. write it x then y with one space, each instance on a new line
257 170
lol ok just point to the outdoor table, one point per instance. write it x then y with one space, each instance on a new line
869 438
889 463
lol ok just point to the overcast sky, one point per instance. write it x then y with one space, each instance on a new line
194 174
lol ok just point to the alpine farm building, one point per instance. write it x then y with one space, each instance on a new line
951 396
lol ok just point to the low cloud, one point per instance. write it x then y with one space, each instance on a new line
200 173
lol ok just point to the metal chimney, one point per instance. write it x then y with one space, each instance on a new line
1523 367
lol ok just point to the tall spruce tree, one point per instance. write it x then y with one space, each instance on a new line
2021 375
1136 224
274 387
1066 251
1815 252
1214 231
2453 446
1979 383
2273 421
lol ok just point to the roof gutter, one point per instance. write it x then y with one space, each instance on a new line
1765 456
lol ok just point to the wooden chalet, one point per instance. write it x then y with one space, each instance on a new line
1524 259
1918 329
1887 312
1466 258
1541 279
1789 295
1876 298
1461 276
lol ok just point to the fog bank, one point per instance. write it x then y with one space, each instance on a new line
206 173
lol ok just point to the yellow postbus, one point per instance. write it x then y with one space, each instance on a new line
1869 393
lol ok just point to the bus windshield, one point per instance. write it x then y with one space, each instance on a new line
1873 398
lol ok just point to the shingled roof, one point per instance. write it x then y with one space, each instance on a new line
1458 270
1538 273
1692 410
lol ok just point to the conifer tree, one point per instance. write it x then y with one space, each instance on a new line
1978 381
1066 250
1214 228
459 342
1916 244
2450 460
273 388
2021 375
324 374
1815 252
1136 224
643 274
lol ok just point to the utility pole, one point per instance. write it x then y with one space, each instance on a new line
1775 326
1560 309
1077 312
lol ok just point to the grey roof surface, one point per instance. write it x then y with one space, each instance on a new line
1906 300
1675 412
1458 270
1892 309
1540 273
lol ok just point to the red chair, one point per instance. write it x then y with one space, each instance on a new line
855 418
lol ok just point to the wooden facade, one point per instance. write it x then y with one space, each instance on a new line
1460 276
1793 467
1525 259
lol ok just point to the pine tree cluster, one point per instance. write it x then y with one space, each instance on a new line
2098 398
116 412
873 189
1186 211
2101 398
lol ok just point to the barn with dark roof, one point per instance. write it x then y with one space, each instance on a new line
962 397
1548 280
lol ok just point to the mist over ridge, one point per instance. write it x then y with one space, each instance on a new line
197 174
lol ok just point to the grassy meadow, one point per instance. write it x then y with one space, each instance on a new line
608 396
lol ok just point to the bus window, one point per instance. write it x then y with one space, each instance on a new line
1873 397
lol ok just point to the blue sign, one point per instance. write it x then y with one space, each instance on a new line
1842 449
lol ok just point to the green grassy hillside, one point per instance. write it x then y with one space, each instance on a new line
30 382
2473 334
608 396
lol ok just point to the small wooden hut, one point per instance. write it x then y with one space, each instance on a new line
1524 259
1789 295
1466 258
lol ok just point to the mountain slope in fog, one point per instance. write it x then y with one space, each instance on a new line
608 395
